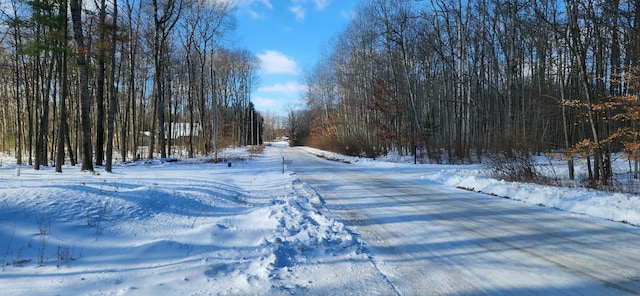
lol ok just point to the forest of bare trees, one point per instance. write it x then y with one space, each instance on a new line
445 80
454 80
89 81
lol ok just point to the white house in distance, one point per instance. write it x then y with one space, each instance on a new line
183 129
178 131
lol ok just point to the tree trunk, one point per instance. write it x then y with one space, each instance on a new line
113 98
17 35
85 99
579 51
100 77
163 24
64 93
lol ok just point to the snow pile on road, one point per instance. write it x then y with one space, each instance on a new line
168 228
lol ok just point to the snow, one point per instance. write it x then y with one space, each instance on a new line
621 207
606 205
192 227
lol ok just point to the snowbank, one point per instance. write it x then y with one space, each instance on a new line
168 228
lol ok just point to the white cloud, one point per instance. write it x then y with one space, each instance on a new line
322 4
256 15
290 88
252 7
274 62
348 15
267 4
248 3
297 7
280 105
319 4
298 11
264 103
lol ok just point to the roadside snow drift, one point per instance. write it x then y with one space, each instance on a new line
169 228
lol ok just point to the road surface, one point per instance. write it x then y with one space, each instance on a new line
428 239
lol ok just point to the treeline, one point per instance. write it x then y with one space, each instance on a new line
86 82
454 80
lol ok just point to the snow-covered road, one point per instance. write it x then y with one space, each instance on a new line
426 238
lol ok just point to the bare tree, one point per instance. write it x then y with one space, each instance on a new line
63 129
85 100
50 110
165 17
293 125
113 97
579 51
101 47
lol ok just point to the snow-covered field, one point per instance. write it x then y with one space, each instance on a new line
192 227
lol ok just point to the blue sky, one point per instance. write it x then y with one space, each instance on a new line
288 37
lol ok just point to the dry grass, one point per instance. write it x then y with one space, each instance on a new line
256 149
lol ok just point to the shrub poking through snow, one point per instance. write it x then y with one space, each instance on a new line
513 165
44 226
